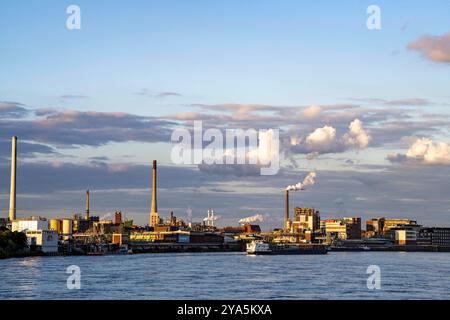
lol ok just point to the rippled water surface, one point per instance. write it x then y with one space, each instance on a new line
337 275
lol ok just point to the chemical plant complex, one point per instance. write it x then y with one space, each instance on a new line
87 234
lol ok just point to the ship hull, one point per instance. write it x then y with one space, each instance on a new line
298 249
290 249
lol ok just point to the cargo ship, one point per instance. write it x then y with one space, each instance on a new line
261 247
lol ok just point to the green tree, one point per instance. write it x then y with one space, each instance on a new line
11 242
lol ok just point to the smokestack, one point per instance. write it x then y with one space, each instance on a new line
118 217
12 195
86 213
154 217
286 208
154 205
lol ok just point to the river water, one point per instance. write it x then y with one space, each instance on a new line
337 275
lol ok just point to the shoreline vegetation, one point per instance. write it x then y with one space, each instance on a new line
13 244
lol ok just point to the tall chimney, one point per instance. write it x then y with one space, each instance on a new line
154 216
12 195
154 205
286 208
86 212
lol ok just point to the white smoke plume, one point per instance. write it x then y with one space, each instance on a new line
310 180
255 218
214 218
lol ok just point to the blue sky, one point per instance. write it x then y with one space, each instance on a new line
255 51
161 59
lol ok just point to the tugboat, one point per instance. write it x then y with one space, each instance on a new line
258 247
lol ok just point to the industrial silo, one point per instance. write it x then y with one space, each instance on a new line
55 224
67 228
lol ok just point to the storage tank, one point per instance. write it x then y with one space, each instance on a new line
55 224
67 227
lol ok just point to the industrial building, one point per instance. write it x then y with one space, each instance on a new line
378 227
178 236
305 219
343 229
405 236
32 223
39 236
88 234
434 236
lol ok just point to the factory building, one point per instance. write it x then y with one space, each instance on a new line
354 227
81 225
305 219
42 240
120 238
175 222
39 236
245 228
378 227
405 236
336 228
178 236
347 228
374 227
32 223
402 234
434 236
396 223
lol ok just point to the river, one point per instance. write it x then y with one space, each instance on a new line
337 275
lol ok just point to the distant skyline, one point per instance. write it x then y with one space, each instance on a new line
367 110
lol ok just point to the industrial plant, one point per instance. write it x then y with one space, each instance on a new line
304 233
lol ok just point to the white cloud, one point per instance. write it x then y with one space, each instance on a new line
425 151
435 48
322 138
326 140
357 135
295 141
312 111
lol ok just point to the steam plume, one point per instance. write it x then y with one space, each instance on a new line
310 180
214 218
255 218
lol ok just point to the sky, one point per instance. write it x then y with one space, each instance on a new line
367 110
